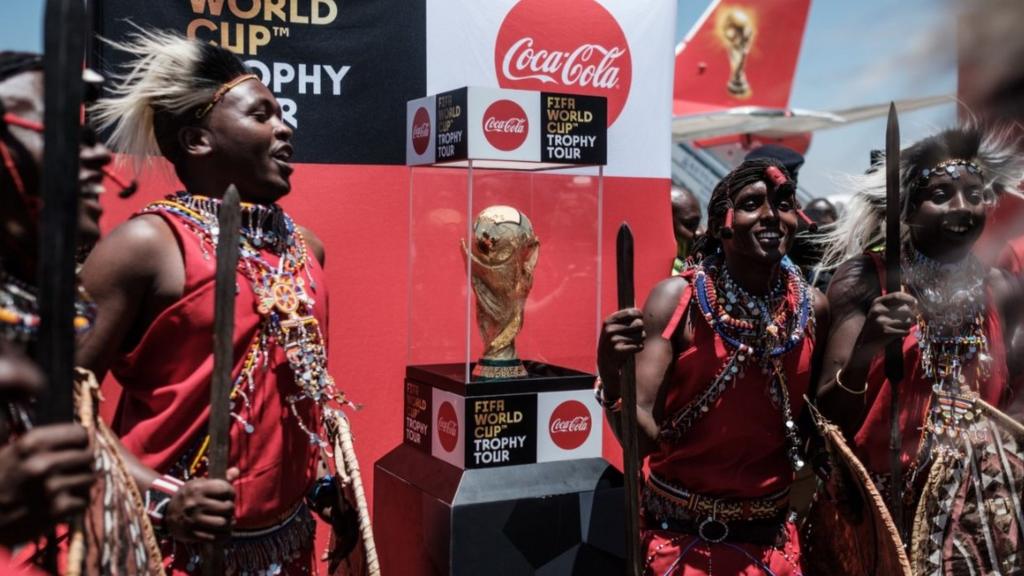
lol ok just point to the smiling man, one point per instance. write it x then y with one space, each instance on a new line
724 356
153 280
955 317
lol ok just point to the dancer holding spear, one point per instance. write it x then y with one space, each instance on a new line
724 356
196 105
930 435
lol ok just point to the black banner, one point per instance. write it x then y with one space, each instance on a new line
342 70
574 129
452 143
501 430
416 424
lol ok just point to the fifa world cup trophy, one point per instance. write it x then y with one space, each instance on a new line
736 30
503 255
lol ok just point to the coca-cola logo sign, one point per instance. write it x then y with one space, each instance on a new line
447 426
421 130
505 125
570 425
573 46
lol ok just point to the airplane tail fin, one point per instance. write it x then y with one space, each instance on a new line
740 53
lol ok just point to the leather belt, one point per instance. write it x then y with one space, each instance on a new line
758 521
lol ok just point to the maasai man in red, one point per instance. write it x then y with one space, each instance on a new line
50 473
724 359
153 281
962 470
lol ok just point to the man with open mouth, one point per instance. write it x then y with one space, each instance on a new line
197 105
724 355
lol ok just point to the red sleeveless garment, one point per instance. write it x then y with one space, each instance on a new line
736 450
954 507
164 407
871 443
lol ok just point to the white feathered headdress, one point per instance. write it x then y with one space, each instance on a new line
167 79
995 152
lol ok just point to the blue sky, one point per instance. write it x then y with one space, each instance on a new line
21 28
853 53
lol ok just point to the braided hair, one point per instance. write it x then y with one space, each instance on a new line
747 173
14 63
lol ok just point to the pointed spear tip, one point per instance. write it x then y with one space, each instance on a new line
624 232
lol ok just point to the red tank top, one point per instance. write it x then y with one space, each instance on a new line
738 448
165 404
871 443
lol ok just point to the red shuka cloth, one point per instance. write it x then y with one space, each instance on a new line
165 405
736 450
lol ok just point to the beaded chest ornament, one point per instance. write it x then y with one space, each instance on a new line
954 347
755 329
19 310
282 301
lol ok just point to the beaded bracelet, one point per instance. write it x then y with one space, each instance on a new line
611 406
159 496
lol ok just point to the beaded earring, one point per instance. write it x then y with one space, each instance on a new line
811 224
726 229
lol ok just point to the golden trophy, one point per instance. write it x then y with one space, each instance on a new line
503 255
736 31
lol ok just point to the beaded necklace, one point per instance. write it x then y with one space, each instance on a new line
114 519
773 326
19 310
951 336
282 301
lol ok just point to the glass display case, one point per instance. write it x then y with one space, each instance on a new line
476 285
502 436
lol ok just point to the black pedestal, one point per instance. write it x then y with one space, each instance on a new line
547 519
499 477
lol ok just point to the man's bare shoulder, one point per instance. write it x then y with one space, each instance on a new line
663 299
856 281
136 247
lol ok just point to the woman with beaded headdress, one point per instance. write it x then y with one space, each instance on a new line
152 278
961 467
724 356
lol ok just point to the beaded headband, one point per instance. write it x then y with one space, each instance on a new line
949 167
219 94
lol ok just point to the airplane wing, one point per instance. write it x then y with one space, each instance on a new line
780 122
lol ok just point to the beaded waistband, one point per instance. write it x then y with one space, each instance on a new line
266 550
662 499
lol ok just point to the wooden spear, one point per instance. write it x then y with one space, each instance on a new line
64 30
628 430
894 350
230 222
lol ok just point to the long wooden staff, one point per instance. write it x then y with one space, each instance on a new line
894 350
230 221
64 30
628 430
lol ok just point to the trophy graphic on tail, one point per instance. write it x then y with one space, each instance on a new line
736 30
